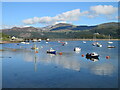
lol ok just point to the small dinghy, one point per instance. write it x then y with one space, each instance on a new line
94 44
109 42
51 51
25 42
34 47
77 49
92 55
109 46
84 41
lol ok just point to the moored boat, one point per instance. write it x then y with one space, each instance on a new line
92 55
109 42
98 45
77 49
35 47
109 46
51 51
84 41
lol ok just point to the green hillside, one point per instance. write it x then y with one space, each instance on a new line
4 37
67 31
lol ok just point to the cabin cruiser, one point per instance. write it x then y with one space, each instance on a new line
98 45
77 49
51 51
92 55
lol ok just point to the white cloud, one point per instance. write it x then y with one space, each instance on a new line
92 15
117 17
28 21
72 15
103 9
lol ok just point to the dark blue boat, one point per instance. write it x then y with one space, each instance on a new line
51 51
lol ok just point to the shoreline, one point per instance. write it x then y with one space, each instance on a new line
5 42
83 39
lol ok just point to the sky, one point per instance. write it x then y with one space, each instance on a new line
40 14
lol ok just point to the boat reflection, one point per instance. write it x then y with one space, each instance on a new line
93 59
35 63
62 61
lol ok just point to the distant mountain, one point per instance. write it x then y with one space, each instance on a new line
65 26
53 31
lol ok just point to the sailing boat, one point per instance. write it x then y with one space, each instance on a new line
94 41
84 41
109 40
34 47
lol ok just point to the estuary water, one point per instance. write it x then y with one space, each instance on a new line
23 68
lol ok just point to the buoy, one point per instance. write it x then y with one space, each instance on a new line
107 57
60 53
82 55
36 51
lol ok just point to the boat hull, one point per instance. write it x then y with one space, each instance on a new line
92 56
51 52
111 46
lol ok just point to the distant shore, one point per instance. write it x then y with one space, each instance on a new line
83 39
4 42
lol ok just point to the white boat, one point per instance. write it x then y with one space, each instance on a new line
51 51
92 55
110 46
23 42
47 39
39 40
94 43
98 45
84 41
34 40
94 40
109 40
77 49
27 43
66 42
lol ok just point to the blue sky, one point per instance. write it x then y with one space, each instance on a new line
18 13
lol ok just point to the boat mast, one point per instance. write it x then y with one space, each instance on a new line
109 37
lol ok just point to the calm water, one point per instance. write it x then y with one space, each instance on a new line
22 68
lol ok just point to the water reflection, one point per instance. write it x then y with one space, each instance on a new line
35 63
59 60
26 64
93 59
103 69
